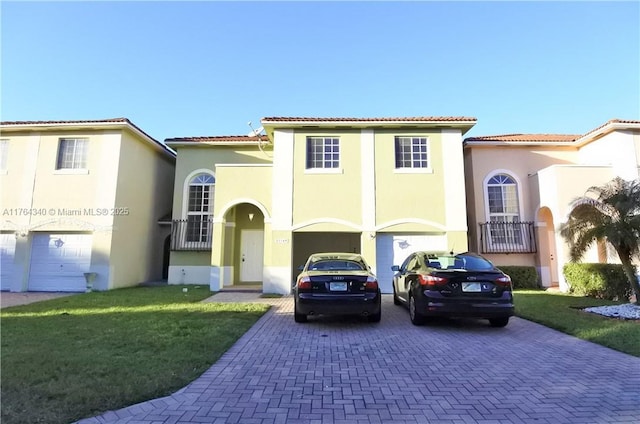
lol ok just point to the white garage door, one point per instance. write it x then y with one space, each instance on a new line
393 249
7 257
59 261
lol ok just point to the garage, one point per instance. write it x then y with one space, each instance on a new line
7 259
392 249
304 244
59 261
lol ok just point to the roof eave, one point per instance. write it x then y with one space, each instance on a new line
97 125
193 143
463 126
605 129
518 143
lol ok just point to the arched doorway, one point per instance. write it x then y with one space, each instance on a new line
244 245
546 259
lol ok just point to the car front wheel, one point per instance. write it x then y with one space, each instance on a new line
499 322
416 317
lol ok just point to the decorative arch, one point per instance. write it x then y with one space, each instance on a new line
433 224
240 200
191 177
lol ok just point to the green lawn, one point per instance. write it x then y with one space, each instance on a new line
563 313
78 356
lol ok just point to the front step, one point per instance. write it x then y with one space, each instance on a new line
241 289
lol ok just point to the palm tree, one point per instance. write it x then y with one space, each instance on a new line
610 213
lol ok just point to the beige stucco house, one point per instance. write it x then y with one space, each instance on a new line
82 197
250 209
520 189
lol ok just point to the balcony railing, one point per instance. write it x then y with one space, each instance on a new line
508 237
193 234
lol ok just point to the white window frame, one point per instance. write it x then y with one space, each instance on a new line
311 165
79 156
413 166
4 155
511 239
206 181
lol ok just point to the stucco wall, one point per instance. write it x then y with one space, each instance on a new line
320 196
404 196
192 159
518 161
145 184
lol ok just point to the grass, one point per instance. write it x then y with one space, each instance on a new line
562 312
78 356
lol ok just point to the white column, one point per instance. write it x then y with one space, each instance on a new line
454 187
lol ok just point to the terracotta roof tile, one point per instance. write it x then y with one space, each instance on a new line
219 139
386 119
527 138
87 122
546 138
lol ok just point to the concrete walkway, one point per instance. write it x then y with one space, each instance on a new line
8 299
350 371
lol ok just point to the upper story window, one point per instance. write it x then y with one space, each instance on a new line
502 198
4 151
504 232
412 152
323 152
72 153
200 208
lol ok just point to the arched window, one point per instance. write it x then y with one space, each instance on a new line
504 212
200 208
502 196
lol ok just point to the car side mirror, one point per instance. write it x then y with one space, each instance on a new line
395 268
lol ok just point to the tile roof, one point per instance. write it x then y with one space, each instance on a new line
527 138
547 138
387 119
219 139
87 122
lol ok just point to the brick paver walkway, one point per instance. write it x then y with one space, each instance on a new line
350 371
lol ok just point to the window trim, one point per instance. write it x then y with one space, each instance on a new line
309 169
59 169
485 191
412 169
185 205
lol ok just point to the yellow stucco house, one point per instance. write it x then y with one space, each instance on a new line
250 209
520 189
82 197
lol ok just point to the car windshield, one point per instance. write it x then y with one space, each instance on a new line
466 262
335 265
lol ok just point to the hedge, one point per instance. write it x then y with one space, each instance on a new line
522 277
601 281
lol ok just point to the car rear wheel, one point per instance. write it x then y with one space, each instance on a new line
299 317
499 322
375 317
416 317
396 300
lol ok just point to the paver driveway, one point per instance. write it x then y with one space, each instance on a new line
350 371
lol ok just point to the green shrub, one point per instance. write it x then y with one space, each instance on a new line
522 277
600 281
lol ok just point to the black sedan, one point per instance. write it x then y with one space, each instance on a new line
463 285
336 284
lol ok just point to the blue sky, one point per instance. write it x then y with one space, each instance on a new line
207 68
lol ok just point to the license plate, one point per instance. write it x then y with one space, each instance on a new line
471 287
338 286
